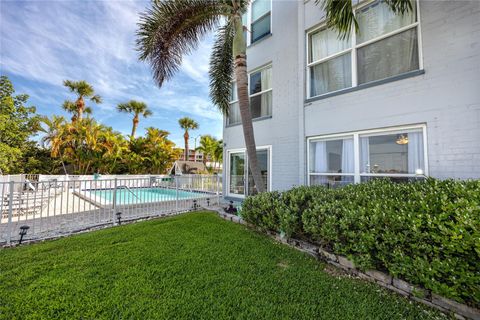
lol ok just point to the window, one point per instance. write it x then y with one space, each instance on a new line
234 112
330 62
386 45
238 171
260 93
257 19
260 19
396 153
331 161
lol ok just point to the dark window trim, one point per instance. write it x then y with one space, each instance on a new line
375 83
265 36
254 120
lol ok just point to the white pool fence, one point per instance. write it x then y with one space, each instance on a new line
47 206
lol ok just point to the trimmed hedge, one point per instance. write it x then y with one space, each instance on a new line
425 232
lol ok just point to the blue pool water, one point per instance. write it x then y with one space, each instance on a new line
145 195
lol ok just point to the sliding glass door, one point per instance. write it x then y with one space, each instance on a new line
263 163
238 171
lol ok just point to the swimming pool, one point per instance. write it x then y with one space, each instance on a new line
143 195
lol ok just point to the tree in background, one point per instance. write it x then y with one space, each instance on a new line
218 153
154 153
186 124
212 149
17 123
83 90
136 108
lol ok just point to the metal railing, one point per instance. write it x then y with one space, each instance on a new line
52 206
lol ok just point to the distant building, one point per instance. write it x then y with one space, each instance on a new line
181 167
193 155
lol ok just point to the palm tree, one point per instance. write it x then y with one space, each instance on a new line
218 152
186 124
206 146
170 29
136 108
83 90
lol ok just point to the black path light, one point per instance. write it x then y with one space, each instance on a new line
195 205
23 231
208 202
230 208
119 217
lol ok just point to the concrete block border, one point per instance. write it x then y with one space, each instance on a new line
415 293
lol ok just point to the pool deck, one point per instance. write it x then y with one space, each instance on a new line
74 214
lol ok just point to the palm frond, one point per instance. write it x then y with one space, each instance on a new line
221 68
170 29
96 98
147 113
69 106
340 13
400 6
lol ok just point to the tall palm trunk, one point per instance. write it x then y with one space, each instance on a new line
240 63
186 137
135 125
80 107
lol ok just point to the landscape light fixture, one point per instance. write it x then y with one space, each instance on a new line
119 218
230 208
208 202
195 205
23 231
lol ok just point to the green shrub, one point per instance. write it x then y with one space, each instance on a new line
426 232
261 210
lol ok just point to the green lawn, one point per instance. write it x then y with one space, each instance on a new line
193 266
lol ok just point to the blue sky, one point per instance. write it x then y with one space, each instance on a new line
44 42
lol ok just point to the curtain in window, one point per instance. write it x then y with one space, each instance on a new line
266 79
415 152
332 75
378 19
347 156
234 114
319 162
388 57
324 43
266 104
364 155
320 159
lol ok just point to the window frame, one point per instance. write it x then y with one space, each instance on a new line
259 69
229 152
356 152
354 47
250 21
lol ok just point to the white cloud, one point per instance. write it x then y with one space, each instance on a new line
45 42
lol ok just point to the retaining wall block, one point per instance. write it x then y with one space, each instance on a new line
345 262
327 255
455 306
380 276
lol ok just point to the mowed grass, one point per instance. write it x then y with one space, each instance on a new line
193 266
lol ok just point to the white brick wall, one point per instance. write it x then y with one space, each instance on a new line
446 97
